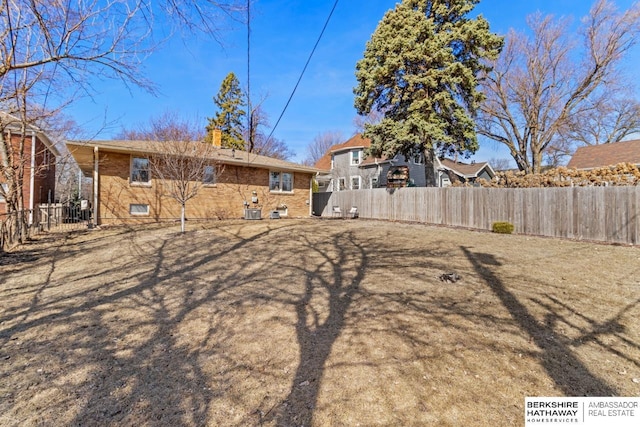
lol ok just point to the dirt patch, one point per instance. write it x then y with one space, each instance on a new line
310 323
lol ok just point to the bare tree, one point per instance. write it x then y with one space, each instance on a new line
360 121
181 168
320 145
258 142
542 84
168 126
71 186
499 164
179 161
610 117
52 51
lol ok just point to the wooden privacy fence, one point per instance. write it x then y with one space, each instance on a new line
606 214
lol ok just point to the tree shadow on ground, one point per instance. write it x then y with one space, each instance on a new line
167 281
318 328
560 362
261 324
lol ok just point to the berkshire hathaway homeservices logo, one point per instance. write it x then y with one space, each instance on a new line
582 411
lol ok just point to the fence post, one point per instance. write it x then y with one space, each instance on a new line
48 216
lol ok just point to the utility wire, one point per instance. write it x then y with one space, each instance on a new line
303 70
249 108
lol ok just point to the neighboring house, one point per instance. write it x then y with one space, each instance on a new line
595 156
341 166
126 191
466 173
345 167
39 173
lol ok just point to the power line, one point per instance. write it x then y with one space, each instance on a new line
249 112
304 69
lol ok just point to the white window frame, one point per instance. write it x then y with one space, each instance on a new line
373 182
358 179
279 186
282 210
214 178
417 159
46 159
342 184
5 187
146 210
355 161
136 182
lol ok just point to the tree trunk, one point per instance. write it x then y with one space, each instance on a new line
182 219
536 160
23 215
429 167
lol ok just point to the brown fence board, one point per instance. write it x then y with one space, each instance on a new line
608 214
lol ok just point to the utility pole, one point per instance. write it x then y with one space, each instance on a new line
249 147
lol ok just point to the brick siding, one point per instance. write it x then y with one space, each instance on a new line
220 201
45 177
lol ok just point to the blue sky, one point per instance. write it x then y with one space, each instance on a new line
188 72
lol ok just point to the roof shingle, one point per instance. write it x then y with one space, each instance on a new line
595 156
354 142
222 155
466 170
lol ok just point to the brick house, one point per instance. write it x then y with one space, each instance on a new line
39 168
595 156
346 167
124 189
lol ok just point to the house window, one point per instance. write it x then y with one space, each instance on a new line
46 159
140 171
209 175
280 181
355 157
355 182
4 191
282 210
342 185
417 158
374 182
138 209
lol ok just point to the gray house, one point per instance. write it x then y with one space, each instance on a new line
345 167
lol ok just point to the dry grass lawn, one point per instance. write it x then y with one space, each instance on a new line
310 322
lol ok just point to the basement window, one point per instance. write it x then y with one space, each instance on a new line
138 209
282 210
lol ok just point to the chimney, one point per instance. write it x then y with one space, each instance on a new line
217 138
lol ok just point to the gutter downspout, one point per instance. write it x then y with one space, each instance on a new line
32 177
95 186
311 192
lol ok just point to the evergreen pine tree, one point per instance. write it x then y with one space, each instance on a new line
229 118
420 69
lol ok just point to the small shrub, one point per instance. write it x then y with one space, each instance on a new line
502 227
